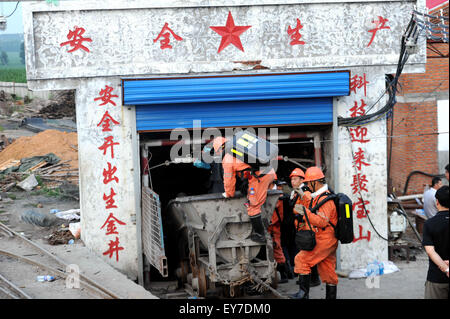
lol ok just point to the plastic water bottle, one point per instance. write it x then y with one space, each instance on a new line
375 268
45 278
380 268
372 269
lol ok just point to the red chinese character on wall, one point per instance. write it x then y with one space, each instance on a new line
106 96
165 42
359 158
359 183
358 134
379 25
113 248
359 206
109 143
109 199
77 41
108 174
295 33
110 224
358 82
361 237
106 121
358 110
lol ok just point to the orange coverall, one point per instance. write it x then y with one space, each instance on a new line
324 254
275 230
257 187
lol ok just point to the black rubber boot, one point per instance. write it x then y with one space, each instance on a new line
303 283
257 234
282 269
315 279
331 292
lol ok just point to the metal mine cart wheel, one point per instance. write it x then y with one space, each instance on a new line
219 250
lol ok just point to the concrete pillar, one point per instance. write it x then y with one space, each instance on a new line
99 228
369 146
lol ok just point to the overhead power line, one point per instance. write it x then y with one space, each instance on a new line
17 4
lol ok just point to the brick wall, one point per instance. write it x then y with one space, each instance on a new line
416 116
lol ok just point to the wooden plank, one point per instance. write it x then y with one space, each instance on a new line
39 165
9 163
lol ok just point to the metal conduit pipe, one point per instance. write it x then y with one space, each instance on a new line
282 136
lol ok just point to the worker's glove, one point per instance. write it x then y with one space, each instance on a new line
299 191
292 195
299 209
200 164
224 195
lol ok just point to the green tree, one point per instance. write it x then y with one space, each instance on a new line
3 58
22 53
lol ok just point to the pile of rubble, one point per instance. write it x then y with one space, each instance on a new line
51 155
60 106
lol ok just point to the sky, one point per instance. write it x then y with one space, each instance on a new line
13 23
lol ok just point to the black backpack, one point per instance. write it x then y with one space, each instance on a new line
343 230
253 150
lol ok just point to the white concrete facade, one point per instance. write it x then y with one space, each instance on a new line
122 33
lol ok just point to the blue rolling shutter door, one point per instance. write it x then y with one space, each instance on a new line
229 101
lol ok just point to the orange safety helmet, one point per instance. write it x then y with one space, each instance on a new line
218 142
297 172
313 174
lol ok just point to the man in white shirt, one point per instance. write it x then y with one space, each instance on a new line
429 200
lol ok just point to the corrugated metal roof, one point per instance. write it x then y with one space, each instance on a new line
235 88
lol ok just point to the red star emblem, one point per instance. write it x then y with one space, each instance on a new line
230 34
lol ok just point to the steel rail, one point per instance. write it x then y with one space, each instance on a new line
15 289
61 262
53 271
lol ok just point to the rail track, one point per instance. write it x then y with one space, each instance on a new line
42 260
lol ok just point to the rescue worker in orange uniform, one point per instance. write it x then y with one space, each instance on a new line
324 253
258 185
275 231
303 197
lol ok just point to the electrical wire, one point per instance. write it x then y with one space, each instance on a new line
429 27
411 35
392 131
362 198
430 16
17 4
419 172
374 137
380 116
